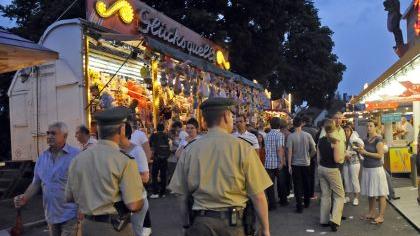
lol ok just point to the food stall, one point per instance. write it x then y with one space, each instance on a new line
138 58
279 108
392 98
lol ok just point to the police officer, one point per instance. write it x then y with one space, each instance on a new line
220 173
104 181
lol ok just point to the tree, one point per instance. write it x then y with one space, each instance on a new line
34 16
311 72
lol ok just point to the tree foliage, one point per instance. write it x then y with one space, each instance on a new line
281 43
34 16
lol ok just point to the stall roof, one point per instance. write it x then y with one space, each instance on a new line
17 53
168 50
407 58
198 62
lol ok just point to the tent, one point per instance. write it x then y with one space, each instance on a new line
17 53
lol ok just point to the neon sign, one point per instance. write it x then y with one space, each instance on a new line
124 9
154 26
221 61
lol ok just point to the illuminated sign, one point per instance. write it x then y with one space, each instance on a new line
133 17
124 9
221 61
370 106
156 27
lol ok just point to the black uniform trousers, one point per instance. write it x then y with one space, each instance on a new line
207 226
301 185
160 167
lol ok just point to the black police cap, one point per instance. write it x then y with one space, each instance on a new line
217 103
112 116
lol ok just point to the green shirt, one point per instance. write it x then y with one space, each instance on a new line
220 171
101 176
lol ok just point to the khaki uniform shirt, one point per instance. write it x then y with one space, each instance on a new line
220 171
101 176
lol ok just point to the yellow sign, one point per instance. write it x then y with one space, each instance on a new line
399 160
221 61
124 9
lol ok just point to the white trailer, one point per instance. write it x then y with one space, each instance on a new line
50 92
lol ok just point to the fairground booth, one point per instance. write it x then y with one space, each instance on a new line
395 97
124 53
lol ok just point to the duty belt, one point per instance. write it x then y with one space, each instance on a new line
223 215
100 218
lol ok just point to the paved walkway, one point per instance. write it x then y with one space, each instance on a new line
30 213
408 205
283 221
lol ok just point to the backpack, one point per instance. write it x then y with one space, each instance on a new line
161 146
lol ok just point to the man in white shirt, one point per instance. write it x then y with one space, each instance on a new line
83 136
177 126
407 131
138 137
136 151
242 133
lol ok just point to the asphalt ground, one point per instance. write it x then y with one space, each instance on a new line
283 221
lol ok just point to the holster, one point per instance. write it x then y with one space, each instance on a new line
120 221
249 219
191 215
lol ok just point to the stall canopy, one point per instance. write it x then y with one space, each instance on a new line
17 53
177 54
400 83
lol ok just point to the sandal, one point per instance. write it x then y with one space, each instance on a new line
377 221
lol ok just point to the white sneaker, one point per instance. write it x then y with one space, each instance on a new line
355 202
154 196
347 200
146 231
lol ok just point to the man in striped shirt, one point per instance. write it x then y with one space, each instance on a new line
275 162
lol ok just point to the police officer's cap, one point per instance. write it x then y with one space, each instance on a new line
112 116
217 103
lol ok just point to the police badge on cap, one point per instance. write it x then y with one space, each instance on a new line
112 116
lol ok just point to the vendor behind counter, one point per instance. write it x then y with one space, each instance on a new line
404 131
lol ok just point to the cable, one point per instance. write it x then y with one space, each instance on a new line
65 11
112 77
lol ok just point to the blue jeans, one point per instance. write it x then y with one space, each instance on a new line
137 219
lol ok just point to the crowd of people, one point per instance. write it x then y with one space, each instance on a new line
295 155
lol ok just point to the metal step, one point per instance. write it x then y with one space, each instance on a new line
5 182
9 173
15 177
3 191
